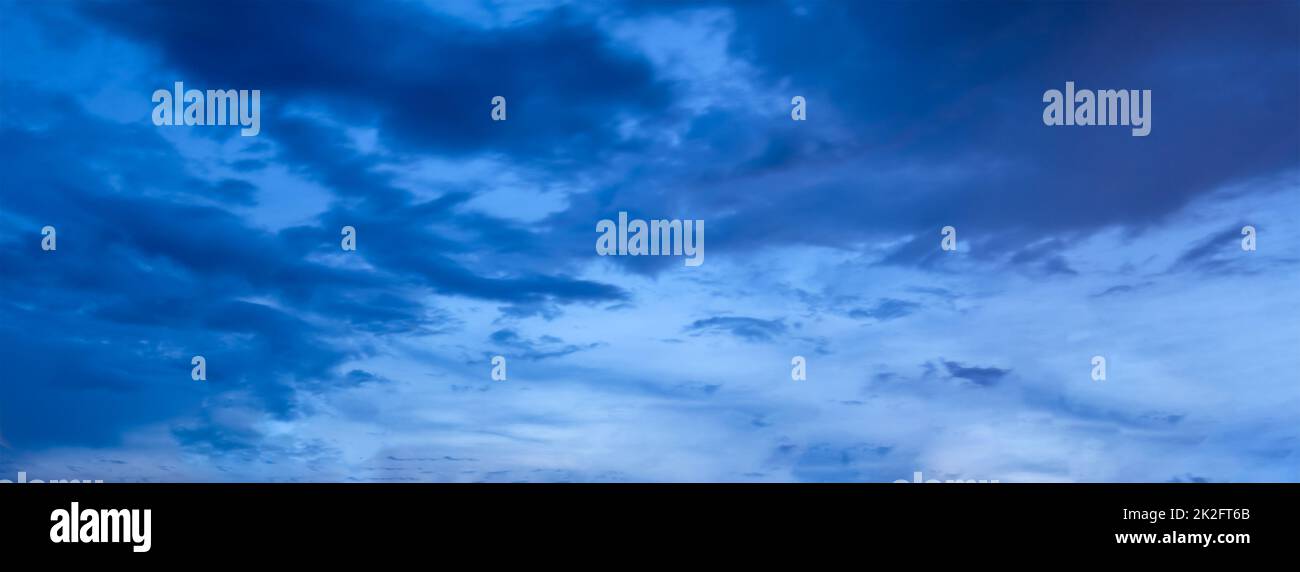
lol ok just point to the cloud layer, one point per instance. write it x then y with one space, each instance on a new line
475 239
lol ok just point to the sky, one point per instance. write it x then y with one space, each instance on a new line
477 238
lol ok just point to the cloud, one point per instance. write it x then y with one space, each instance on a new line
416 74
886 309
475 239
745 328
981 376
535 349
1044 257
1210 253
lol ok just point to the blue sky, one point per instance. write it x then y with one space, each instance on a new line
476 238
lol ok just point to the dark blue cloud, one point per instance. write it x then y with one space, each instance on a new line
425 79
1212 253
981 376
886 309
1043 257
543 347
745 328
836 462
944 106
142 281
